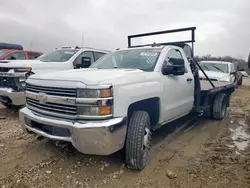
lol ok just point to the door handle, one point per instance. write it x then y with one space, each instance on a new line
189 80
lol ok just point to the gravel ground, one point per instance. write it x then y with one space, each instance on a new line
202 153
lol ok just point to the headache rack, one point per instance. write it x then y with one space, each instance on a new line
177 43
181 44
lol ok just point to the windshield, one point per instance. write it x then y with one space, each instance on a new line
58 55
216 67
143 59
2 53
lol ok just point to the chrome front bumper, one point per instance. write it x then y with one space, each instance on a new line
97 137
17 98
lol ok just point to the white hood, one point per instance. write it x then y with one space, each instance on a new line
215 75
19 63
38 66
93 76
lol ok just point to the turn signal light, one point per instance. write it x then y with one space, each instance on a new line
105 93
105 110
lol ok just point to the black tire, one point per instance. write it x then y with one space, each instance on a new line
220 106
240 82
11 107
136 153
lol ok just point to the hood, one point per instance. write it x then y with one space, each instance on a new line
93 76
213 74
5 61
38 66
19 63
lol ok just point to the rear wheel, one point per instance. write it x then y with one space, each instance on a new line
138 140
240 82
220 106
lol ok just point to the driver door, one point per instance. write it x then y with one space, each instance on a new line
178 90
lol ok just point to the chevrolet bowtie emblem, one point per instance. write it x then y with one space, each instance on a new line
42 97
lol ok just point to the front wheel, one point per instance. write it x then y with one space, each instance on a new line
138 140
240 82
11 107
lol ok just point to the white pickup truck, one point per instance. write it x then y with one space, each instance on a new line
13 74
121 99
221 71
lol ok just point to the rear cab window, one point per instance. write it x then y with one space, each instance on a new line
61 55
98 55
15 56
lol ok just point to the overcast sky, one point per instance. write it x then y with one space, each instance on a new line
223 26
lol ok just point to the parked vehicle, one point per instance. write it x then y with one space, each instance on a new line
218 71
13 74
122 98
4 45
9 54
244 73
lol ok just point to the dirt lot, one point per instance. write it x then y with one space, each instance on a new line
193 154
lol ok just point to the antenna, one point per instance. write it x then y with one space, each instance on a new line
30 45
82 40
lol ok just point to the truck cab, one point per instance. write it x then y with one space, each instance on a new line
13 74
9 54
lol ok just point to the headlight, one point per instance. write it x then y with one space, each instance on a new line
94 93
23 69
21 81
95 102
94 110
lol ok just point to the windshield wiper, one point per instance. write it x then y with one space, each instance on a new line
217 68
44 60
206 67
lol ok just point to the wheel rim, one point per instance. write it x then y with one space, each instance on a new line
224 108
145 144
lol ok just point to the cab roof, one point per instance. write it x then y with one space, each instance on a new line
81 48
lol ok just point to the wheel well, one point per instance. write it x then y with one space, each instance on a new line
151 106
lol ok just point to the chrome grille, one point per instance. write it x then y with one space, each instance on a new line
4 69
8 82
64 92
51 107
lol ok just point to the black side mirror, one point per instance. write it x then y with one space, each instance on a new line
85 62
174 66
12 58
